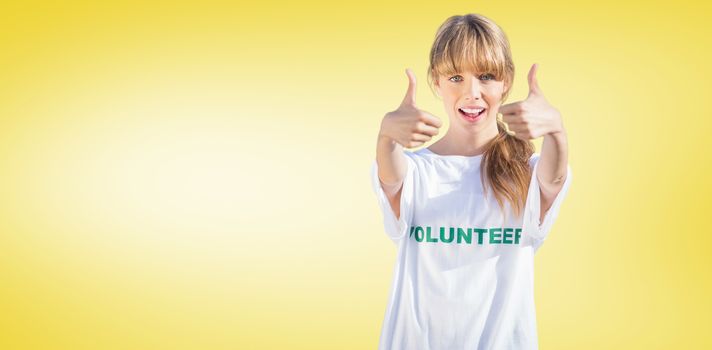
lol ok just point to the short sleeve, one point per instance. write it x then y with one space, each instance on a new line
395 228
531 225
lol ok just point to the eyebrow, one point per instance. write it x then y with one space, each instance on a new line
490 72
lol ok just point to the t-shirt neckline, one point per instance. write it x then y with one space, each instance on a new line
452 156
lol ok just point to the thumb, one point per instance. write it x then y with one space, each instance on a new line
533 83
409 99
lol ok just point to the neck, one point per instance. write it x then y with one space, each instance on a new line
465 142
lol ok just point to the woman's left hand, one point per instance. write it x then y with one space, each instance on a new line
534 117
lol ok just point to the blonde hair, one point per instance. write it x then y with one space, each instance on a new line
473 42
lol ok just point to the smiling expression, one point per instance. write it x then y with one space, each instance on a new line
472 91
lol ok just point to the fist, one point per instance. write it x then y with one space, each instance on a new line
408 125
533 117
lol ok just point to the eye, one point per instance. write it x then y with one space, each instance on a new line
488 75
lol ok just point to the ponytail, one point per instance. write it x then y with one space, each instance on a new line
505 166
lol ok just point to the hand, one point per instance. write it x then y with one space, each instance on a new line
533 117
408 125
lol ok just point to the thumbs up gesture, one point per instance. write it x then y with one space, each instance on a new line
533 117
408 125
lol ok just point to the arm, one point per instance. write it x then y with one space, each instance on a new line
406 126
391 170
551 171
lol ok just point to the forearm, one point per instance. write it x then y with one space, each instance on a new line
553 163
391 163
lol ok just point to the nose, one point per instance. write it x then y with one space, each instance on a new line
474 89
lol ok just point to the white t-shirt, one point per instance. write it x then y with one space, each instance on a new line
464 274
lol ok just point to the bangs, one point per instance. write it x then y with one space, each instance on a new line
470 50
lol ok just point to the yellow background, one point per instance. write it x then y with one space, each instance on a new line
195 175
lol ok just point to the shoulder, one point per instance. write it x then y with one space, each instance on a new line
415 154
414 157
534 159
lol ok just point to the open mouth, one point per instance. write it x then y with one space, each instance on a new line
471 116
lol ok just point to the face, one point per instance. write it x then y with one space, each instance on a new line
471 91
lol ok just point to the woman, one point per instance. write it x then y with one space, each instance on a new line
468 212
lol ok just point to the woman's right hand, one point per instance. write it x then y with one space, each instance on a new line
408 125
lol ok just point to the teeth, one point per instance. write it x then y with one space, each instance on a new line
467 110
